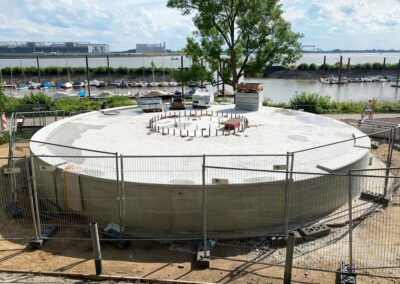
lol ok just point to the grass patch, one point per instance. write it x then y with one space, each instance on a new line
314 103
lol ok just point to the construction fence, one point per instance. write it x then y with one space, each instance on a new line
240 207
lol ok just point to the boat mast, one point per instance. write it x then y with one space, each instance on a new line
12 81
152 65
143 70
68 78
22 70
163 69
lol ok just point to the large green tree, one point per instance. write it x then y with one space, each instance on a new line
244 36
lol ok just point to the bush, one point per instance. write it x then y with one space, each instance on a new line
377 66
313 67
303 67
101 70
39 98
122 70
367 66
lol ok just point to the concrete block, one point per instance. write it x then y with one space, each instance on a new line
375 197
314 232
281 241
343 276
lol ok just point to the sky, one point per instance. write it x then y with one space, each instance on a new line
338 24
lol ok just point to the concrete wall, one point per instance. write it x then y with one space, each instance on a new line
234 210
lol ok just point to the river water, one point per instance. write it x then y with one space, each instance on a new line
278 90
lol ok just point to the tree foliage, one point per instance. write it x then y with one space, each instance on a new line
242 35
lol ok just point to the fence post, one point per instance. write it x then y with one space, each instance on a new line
35 198
123 192
118 193
204 209
350 205
389 158
289 177
96 247
29 179
286 197
289 259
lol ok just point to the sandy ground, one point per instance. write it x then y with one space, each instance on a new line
154 260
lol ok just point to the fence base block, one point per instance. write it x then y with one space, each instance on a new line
113 235
47 233
203 256
36 243
15 210
343 276
375 197
281 241
314 232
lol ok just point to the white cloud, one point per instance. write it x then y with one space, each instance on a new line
355 24
122 24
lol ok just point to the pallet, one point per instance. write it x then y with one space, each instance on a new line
249 87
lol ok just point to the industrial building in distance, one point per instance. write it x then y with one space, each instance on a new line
150 48
18 47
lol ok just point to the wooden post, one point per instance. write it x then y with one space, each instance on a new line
223 83
87 75
38 68
398 74
324 65
348 67
108 70
384 64
182 75
340 68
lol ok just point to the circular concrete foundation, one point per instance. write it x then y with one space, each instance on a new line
162 172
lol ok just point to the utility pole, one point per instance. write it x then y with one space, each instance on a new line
87 75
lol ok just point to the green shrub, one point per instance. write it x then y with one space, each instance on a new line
367 66
122 70
303 67
101 70
377 66
38 98
313 67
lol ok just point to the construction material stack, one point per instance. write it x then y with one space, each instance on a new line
249 96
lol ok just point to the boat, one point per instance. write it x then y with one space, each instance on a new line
32 86
58 85
367 79
78 84
21 86
67 85
164 84
122 84
102 84
94 83
45 85
81 94
8 85
62 95
325 81
115 83
153 84
173 84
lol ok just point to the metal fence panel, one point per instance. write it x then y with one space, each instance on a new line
16 220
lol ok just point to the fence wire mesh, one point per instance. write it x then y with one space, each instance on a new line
245 204
16 203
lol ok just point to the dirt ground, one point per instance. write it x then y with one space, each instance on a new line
154 260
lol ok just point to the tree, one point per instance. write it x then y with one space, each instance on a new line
242 35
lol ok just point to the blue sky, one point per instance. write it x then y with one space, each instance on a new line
343 24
